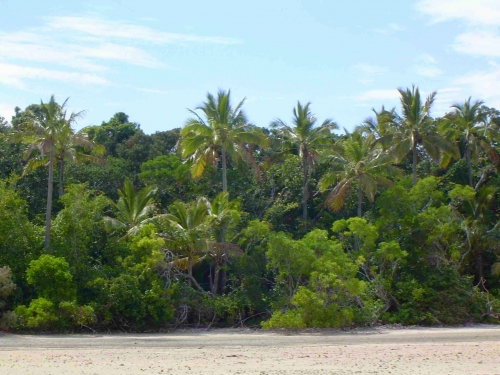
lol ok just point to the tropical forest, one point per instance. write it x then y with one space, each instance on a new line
297 223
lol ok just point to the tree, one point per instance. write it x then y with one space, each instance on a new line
188 232
222 214
416 128
382 126
42 130
468 123
225 131
308 140
359 161
134 209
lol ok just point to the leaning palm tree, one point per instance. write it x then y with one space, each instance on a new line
134 210
223 132
42 131
468 123
416 128
308 139
360 160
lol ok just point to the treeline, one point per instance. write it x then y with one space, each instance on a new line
222 222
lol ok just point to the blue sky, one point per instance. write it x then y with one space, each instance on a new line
154 59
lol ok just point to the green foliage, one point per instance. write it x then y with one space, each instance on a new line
173 250
51 278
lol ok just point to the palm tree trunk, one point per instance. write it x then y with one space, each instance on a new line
61 172
190 269
469 166
215 281
305 191
414 163
224 170
48 210
360 197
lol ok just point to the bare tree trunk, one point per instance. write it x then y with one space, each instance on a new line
215 280
469 166
305 192
61 172
190 270
48 210
224 170
360 197
414 163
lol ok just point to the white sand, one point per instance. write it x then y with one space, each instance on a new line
420 351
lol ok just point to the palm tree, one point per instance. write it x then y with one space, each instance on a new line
416 128
479 222
468 123
188 231
134 209
382 126
308 140
360 161
222 214
42 131
224 132
70 146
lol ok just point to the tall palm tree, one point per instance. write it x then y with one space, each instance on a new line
42 131
308 139
224 132
188 231
360 161
468 123
134 209
71 146
416 128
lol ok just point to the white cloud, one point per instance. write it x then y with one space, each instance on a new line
370 69
85 44
428 71
478 42
426 66
31 47
118 29
7 111
390 29
152 91
483 85
482 17
475 12
14 75
379 95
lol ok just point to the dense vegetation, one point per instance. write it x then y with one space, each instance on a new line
221 222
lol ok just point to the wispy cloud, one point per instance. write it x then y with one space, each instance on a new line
373 95
369 69
426 66
88 46
30 47
479 43
152 91
124 30
14 75
390 29
481 16
475 12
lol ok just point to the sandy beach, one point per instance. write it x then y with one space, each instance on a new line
474 350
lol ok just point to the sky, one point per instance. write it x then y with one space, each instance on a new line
155 59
